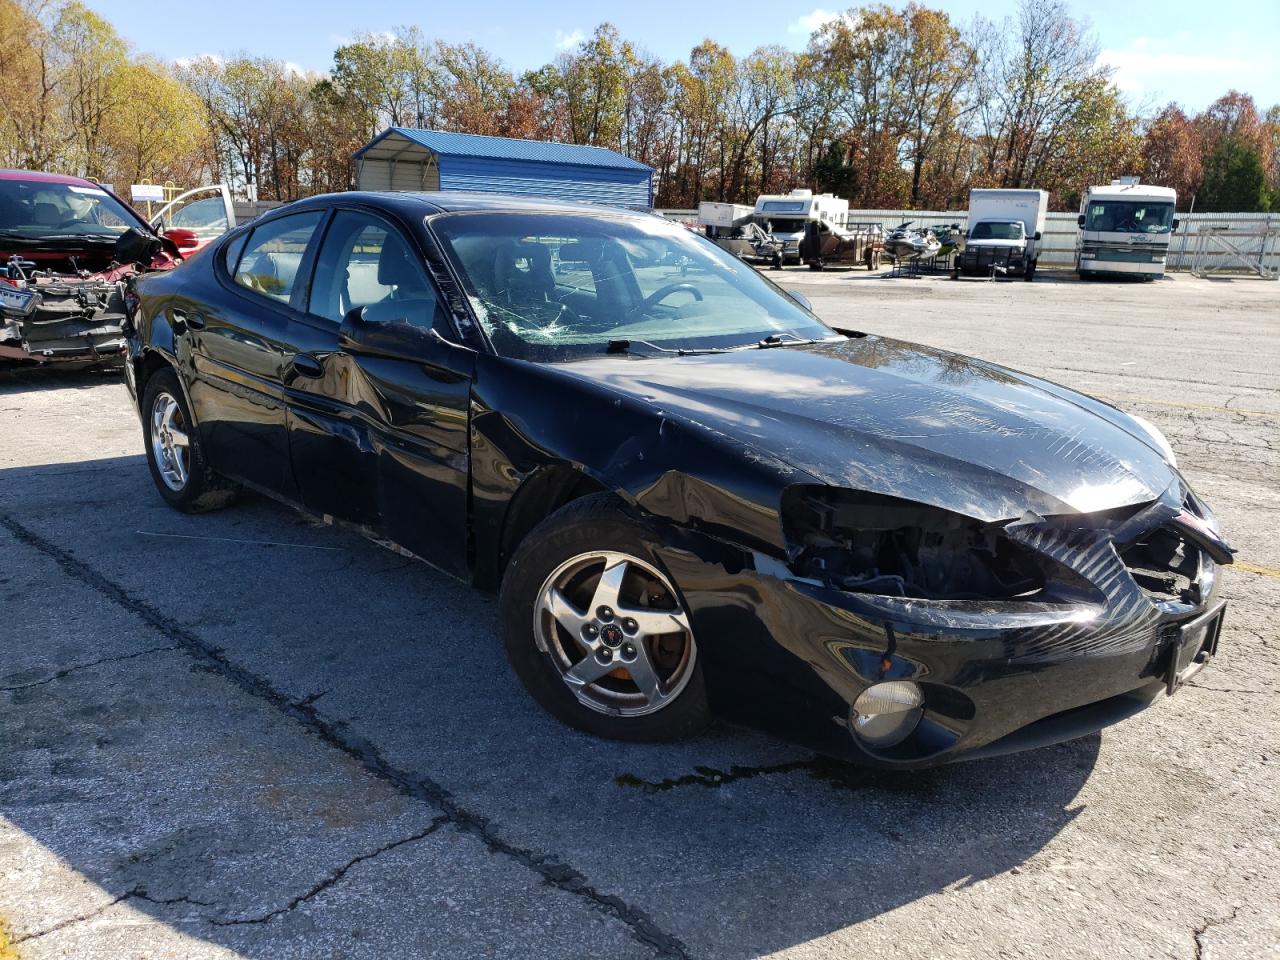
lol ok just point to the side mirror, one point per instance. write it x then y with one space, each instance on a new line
1080 220
182 238
1175 226
801 299
1037 235
388 329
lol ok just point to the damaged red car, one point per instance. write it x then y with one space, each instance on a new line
69 249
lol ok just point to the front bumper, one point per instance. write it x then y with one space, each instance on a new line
979 259
791 656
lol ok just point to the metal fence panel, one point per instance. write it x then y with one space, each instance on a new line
1058 245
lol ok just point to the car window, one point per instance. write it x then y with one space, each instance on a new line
274 253
363 261
207 217
231 252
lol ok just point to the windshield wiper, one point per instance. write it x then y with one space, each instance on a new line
624 346
775 340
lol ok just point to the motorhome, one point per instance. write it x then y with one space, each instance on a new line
1004 232
1125 229
784 215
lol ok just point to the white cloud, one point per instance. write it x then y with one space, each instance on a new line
185 62
567 41
1154 65
816 19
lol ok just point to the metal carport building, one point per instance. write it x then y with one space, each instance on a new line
401 158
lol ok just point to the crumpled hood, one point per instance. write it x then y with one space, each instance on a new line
904 420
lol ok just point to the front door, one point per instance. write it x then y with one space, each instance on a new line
381 440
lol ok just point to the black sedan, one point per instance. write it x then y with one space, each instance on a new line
694 497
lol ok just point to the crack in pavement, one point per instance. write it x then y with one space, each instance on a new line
67 671
334 877
553 871
1199 932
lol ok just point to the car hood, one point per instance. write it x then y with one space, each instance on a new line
884 416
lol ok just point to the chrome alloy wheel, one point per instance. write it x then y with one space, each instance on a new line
170 446
613 627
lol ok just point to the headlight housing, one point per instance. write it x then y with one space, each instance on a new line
1158 438
872 543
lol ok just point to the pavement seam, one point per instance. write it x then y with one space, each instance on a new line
554 872
67 671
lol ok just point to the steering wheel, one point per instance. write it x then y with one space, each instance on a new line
655 298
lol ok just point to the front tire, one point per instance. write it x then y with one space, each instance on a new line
598 632
175 452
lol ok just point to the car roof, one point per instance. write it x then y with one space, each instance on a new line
429 202
41 177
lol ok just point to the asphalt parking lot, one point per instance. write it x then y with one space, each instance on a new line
246 734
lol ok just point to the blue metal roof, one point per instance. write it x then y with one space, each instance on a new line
508 148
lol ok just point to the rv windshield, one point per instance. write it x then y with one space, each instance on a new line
1129 216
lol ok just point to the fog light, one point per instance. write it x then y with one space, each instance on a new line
885 714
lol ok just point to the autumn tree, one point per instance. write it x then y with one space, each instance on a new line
1173 153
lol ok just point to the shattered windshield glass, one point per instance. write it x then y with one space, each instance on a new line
564 286
1130 216
39 209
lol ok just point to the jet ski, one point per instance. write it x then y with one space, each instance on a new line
906 244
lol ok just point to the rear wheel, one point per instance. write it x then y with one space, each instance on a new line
175 452
598 633
816 265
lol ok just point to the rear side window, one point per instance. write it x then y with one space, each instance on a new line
231 252
272 257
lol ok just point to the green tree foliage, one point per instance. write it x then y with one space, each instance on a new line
1234 178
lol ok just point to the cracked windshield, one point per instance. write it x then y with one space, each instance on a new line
562 287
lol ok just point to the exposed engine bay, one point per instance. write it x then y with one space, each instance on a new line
74 314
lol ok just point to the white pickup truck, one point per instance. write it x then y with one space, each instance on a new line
1004 231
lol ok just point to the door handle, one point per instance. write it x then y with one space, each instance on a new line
305 365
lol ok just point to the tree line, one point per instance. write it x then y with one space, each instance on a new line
887 107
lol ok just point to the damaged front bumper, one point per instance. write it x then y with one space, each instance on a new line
67 320
792 655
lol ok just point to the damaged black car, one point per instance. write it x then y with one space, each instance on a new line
694 498
69 250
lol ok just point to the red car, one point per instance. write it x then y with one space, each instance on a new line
69 249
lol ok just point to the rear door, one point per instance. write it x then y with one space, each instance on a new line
381 440
240 349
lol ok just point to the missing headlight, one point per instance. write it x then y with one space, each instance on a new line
876 544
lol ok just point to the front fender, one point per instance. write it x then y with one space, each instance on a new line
527 417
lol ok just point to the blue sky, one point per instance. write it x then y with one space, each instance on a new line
1176 49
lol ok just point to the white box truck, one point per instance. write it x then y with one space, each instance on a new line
783 215
1125 229
1004 232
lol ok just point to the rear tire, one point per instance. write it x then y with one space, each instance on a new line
175 452
586 667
